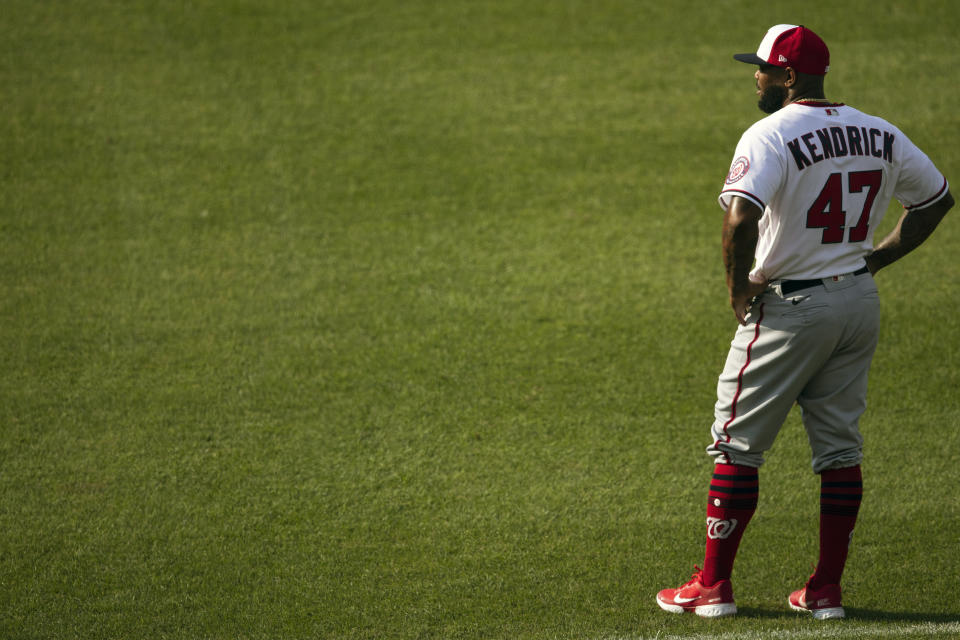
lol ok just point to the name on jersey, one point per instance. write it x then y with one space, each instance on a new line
839 142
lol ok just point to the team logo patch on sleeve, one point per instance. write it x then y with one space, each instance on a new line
738 169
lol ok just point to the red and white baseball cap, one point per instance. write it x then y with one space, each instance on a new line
789 45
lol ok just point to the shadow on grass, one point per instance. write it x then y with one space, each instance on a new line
900 616
855 613
755 612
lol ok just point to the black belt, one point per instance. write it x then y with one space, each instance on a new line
790 286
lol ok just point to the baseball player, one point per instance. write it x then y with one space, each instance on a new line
807 187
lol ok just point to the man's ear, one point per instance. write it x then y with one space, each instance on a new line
791 77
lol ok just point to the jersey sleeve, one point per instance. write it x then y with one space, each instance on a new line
757 170
920 183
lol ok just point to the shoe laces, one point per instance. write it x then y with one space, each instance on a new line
696 577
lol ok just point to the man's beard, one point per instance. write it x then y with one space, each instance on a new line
772 98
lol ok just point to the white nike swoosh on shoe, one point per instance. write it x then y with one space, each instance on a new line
680 600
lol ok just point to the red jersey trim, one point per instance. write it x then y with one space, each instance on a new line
809 103
943 190
745 194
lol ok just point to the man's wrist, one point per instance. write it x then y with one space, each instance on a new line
880 257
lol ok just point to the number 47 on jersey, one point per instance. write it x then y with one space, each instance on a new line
827 210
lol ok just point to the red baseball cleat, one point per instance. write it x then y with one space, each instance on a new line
707 602
824 603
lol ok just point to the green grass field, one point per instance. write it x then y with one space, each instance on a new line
369 319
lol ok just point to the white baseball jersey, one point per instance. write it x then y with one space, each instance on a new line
823 175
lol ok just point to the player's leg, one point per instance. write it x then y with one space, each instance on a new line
747 417
731 503
841 491
832 403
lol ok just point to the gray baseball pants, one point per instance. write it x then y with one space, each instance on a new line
812 347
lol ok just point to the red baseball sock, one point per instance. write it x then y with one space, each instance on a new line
732 500
840 493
